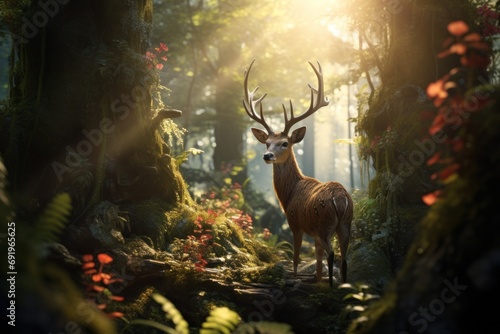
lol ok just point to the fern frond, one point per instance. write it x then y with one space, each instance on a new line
52 221
172 313
264 327
149 323
221 320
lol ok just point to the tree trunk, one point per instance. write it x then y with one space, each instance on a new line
229 128
81 116
393 124
450 278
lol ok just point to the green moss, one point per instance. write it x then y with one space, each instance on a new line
265 274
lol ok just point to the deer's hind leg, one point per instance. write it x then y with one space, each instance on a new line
343 235
320 251
297 243
325 244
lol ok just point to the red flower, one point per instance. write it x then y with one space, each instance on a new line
447 172
435 158
163 47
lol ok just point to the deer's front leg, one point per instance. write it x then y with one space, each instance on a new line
297 243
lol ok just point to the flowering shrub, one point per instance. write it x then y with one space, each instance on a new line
198 245
228 201
219 205
488 20
97 281
155 59
454 102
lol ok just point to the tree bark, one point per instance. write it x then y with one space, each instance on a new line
393 125
82 117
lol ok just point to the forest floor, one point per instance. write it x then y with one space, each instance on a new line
269 293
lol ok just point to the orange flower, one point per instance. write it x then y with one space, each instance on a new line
431 198
97 288
104 258
97 277
88 265
87 257
117 298
90 272
458 28
115 314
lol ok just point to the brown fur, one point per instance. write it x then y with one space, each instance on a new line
312 207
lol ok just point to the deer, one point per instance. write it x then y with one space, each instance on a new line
316 208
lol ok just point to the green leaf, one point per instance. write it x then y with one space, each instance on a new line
172 313
149 323
221 320
346 286
52 221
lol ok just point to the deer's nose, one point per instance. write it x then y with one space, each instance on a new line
269 156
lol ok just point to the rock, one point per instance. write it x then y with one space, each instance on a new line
368 263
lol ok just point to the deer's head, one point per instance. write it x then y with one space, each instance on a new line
279 144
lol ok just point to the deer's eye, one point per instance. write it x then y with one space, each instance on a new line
284 145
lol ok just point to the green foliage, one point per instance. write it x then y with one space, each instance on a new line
271 240
12 12
181 326
367 222
52 221
221 320
359 296
172 314
183 157
264 327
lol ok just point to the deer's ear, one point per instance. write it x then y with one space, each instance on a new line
260 135
298 135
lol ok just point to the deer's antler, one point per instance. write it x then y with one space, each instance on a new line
319 102
249 102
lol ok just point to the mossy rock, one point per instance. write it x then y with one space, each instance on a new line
148 219
368 263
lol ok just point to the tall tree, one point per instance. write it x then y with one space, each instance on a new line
216 40
451 270
83 114
398 42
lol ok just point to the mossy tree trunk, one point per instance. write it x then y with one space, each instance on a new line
82 116
395 134
451 275
450 279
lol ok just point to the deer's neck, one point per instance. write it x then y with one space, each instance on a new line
286 176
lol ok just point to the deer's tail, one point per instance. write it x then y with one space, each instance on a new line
341 208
